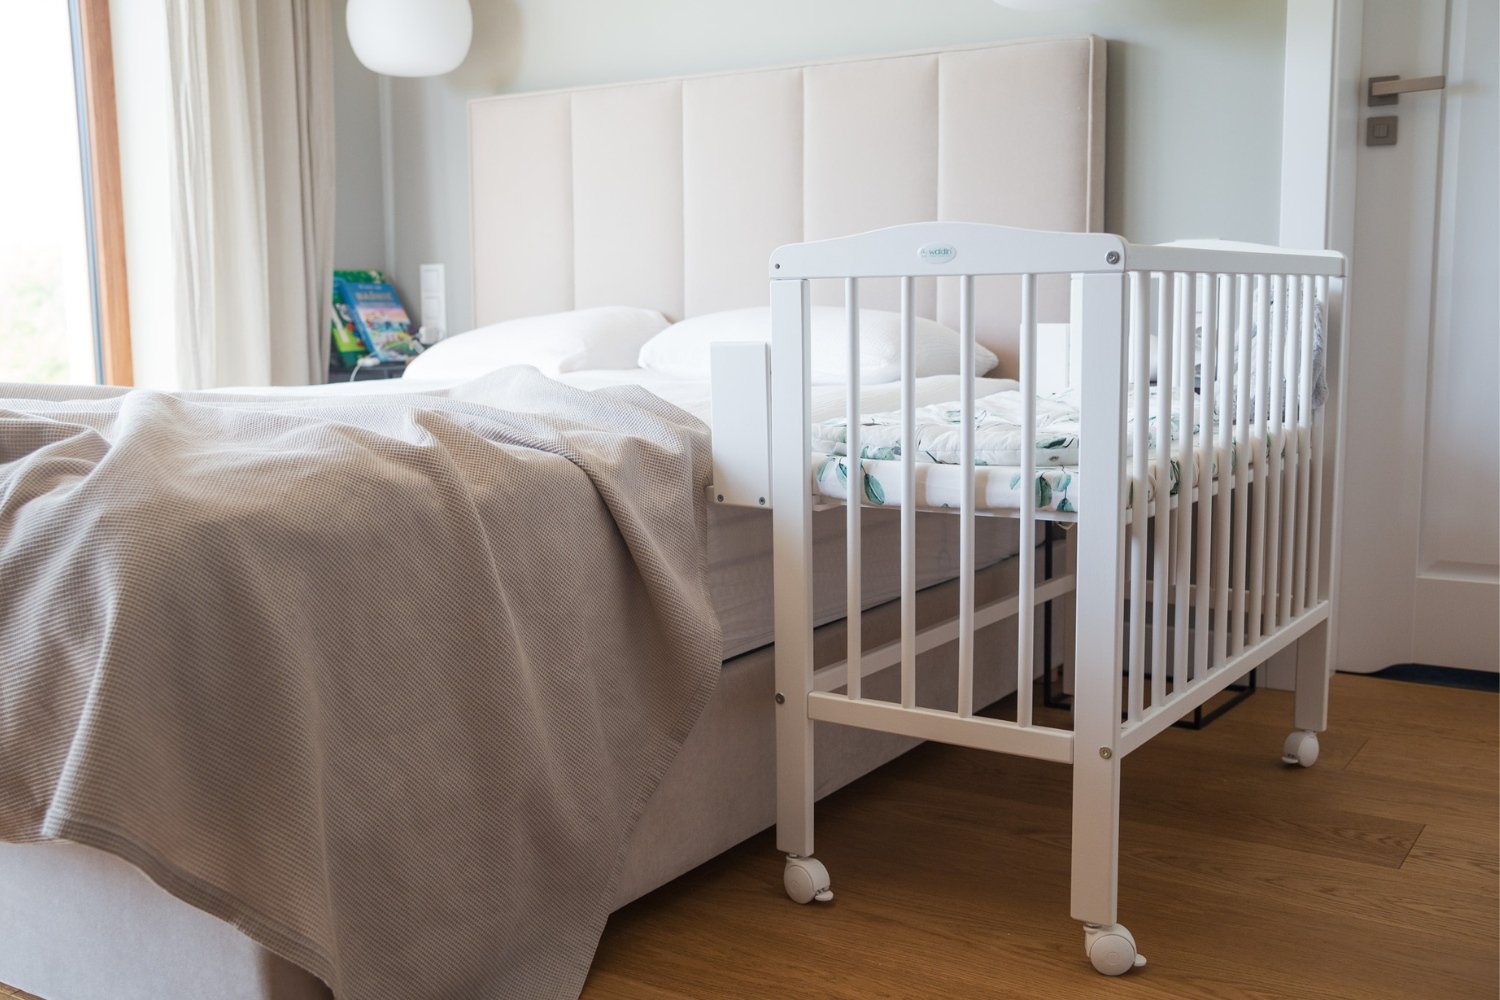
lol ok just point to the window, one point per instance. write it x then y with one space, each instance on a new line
63 311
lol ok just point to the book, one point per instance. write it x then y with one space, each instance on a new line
347 348
375 314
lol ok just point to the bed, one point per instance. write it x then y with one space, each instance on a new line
670 195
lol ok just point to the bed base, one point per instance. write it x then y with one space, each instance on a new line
1177 597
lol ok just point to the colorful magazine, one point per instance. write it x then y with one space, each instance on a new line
376 315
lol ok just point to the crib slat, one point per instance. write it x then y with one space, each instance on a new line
966 501
1289 525
1275 444
908 501
1223 414
854 505
1207 383
1140 367
1261 457
1315 473
1304 447
1243 450
1186 309
1161 569
1026 613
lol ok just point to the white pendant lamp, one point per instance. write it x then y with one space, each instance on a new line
410 37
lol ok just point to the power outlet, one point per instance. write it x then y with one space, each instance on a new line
434 315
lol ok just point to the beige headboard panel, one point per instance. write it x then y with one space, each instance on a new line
671 194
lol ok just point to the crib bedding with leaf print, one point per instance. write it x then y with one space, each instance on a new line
998 443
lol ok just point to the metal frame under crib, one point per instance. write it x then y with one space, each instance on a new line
1204 585
1060 699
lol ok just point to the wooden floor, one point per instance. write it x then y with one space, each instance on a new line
1372 874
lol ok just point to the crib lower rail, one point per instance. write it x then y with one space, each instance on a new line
976 732
827 704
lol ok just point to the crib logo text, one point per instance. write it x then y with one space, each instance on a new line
940 253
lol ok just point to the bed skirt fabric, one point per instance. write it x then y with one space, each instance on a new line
411 773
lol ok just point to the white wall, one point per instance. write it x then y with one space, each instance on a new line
359 236
1194 92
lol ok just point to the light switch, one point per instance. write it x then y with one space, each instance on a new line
1380 131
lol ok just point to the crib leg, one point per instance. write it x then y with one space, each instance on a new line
1096 850
1310 707
805 878
794 751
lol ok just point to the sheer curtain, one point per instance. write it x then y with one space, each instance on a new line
252 189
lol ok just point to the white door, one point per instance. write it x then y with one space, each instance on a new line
1420 576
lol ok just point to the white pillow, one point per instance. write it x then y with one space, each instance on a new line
603 337
682 349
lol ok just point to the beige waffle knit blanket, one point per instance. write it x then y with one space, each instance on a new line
383 681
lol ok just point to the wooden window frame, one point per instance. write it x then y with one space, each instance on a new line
100 141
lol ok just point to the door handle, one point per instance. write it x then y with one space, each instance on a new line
1385 90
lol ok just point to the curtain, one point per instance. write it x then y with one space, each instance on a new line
252 189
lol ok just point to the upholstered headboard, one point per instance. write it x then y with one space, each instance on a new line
671 194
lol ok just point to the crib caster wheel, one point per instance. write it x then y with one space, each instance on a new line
806 880
1111 948
1301 748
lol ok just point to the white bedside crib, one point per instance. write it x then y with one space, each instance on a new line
1178 595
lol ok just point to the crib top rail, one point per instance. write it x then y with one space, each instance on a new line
949 248
969 248
1229 257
